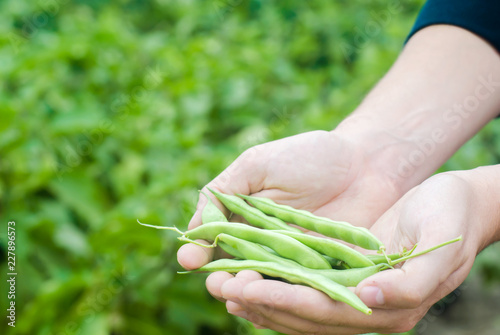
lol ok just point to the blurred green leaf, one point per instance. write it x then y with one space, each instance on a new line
113 111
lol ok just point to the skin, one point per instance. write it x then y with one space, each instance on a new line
443 207
409 124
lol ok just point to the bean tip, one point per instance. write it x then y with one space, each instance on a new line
174 228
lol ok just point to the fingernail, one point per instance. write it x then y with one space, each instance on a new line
372 296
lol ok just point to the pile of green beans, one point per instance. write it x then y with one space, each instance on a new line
268 245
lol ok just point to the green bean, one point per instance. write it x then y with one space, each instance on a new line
351 277
291 274
211 213
249 250
251 214
331 248
337 229
379 259
396 258
232 251
334 263
285 246
252 251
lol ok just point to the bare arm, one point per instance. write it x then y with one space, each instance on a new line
443 88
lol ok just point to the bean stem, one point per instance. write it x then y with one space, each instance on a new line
161 227
185 239
407 257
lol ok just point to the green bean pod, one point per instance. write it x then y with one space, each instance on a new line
285 246
331 248
335 263
292 274
379 259
351 277
231 251
211 213
337 229
252 251
251 214
244 249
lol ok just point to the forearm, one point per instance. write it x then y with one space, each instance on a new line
443 89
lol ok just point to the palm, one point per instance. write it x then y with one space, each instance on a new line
319 172
436 211
440 209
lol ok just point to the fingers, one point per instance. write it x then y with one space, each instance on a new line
300 301
262 322
270 316
289 324
191 256
214 283
414 283
232 289
245 175
296 309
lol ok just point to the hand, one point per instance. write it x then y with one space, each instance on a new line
358 171
319 171
442 208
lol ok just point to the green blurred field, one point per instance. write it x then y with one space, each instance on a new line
112 111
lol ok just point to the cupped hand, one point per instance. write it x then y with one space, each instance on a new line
322 172
442 208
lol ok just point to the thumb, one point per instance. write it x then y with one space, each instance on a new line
245 175
409 286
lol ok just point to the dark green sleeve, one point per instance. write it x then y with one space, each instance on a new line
481 17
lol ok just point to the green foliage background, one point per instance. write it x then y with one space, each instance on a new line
116 110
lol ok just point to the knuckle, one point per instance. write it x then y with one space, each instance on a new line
412 299
405 326
324 318
249 157
258 319
408 323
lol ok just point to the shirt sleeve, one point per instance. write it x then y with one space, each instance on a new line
481 17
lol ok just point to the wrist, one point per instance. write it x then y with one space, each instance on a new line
427 105
398 149
484 182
